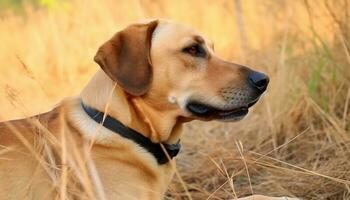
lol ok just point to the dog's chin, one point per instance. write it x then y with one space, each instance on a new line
206 112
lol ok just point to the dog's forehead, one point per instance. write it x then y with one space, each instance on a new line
172 32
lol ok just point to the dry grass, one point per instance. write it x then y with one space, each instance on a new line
297 140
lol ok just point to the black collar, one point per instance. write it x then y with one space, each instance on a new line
117 127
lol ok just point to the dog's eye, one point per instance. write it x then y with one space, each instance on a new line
195 50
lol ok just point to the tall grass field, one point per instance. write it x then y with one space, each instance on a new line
295 141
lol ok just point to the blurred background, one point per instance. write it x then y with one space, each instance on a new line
296 141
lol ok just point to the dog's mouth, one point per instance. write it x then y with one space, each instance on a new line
208 112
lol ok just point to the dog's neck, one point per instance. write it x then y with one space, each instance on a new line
105 95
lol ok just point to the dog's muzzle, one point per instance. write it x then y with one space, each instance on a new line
237 101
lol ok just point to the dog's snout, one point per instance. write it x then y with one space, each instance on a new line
258 80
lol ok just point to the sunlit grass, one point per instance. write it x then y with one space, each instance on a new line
296 142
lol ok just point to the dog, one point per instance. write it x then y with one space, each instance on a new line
118 138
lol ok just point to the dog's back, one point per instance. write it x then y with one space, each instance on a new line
22 164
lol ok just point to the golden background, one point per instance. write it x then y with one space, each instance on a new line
295 142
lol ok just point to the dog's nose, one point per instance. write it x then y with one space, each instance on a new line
258 80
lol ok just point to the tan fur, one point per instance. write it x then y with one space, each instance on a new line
68 150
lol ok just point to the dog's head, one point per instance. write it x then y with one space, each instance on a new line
173 67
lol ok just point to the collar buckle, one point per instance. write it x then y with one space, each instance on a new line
172 149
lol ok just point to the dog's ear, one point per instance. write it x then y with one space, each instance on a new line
125 58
